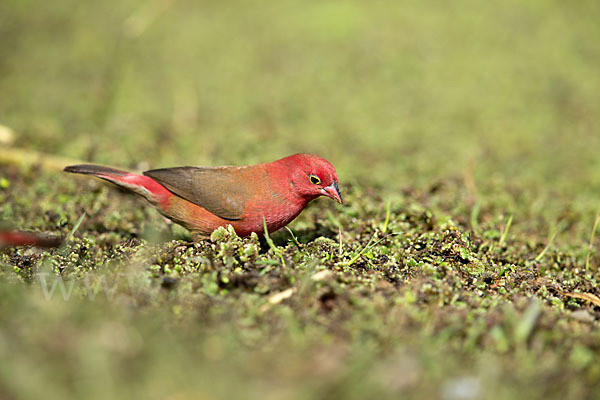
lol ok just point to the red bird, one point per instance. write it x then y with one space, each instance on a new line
205 198
19 238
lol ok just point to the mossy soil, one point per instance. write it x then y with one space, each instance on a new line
376 297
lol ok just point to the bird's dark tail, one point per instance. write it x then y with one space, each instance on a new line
96 170
145 186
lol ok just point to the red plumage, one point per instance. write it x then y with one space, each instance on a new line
205 198
19 238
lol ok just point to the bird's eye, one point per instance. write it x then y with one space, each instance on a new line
314 179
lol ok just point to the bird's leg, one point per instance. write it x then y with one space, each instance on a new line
264 246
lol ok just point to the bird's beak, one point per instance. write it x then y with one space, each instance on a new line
333 192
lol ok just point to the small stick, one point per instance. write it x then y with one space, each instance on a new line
591 245
341 246
506 228
27 158
388 213
541 255
271 244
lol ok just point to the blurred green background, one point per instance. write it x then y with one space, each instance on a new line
391 92
497 101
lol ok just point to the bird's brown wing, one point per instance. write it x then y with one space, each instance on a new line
219 190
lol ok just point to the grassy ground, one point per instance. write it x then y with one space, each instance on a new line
462 266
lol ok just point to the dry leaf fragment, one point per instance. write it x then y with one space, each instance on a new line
592 298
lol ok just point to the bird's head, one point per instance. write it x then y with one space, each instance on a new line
312 176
